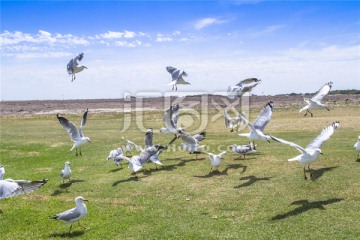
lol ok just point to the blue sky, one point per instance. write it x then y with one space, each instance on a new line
293 46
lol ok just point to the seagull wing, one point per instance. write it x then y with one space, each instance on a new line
168 121
83 122
68 215
222 154
11 188
247 123
70 66
249 81
134 144
71 129
181 80
2 172
175 73
187 138
323 137
227 120
264 117
200 136
299 148
323 91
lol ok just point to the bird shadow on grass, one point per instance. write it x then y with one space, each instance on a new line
317 173
1 212
248 156
130 179
67 235
224 172
115 170
358 160
305 205
65 186
251 180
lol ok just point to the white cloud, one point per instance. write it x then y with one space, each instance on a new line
38 55
110 35
128 34
205 22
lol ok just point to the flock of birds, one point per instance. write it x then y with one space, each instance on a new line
190 143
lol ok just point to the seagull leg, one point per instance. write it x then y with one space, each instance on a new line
305 174
76 152
312 176
85 228
70 228
176 87
173 88
80 151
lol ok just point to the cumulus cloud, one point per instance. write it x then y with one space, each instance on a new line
205 22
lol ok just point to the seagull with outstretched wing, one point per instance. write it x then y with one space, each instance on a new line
257 129
176 77
315 101
74 67
75 133
170 119
312 151
233 122
11 188
242 87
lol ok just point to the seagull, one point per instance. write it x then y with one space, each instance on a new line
128 148
233 122
243 149
315 101
257 129
11 188
311 153
215 160
117 156
191 142
74 132
357 148
170 119
66 172
74 67
242 87
75 214
177 77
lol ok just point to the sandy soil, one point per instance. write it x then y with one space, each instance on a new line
34 107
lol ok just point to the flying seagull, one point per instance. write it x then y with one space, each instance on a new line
75 133
66 172
11 188
242 87
257 129
117 155
191 143
233 122
215 160
315 101
311 153
75 214
243 149
170 119
357 148
177 77
74 67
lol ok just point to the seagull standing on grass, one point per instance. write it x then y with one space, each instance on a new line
11 188
242 87
243 149
357 148
215 160
311 153
75 214
191 143
177 77
75 133
74 67
257 129
66 172
315 101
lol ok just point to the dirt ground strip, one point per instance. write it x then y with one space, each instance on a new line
34 107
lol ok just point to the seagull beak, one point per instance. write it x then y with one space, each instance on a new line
85 200
322 153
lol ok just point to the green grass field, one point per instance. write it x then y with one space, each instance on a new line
262 197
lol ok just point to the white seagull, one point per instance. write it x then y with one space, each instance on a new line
257 129
233 122
117 156
215 160
170 119
11 188
137 162
357 148
191 143
75 214
75 133
315 101
242 87
177 77
243 149
66 172
74 67
312 151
